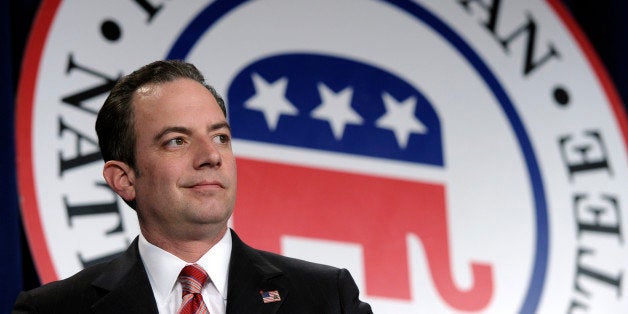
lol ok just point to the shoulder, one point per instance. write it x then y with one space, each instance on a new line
326 284
81 289
300 268
314 288
269 263
57 295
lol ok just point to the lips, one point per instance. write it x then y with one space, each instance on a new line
205 184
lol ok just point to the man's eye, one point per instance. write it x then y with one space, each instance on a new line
222 138
175 142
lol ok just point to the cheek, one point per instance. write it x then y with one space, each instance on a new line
161 166
233 171
158 175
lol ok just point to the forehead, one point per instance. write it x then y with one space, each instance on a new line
177 96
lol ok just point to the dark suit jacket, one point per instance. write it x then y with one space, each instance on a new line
122 286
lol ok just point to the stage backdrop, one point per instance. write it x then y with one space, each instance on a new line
455 156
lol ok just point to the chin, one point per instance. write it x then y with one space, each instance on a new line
213 216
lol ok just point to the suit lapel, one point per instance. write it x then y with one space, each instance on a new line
128 286
250 275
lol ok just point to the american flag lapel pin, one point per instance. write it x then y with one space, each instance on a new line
270 296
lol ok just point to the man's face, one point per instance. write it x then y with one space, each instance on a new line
186 180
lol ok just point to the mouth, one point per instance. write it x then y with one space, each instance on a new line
206 185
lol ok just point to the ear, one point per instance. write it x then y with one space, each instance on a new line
121 178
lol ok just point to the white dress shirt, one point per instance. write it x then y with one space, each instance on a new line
163 269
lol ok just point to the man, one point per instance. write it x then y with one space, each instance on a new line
166 143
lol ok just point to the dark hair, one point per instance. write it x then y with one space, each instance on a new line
114 124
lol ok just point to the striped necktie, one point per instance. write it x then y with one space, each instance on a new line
192 279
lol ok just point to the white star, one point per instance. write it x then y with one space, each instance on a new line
336 109
400 119
270 99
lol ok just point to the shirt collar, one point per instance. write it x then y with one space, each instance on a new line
163 268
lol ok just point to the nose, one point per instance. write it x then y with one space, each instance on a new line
207 155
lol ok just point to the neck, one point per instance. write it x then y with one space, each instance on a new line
188 247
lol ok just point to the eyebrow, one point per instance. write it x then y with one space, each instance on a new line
187 131
220 125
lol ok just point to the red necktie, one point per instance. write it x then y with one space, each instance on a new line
192 278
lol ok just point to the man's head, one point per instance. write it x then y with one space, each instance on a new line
114 125
172 158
